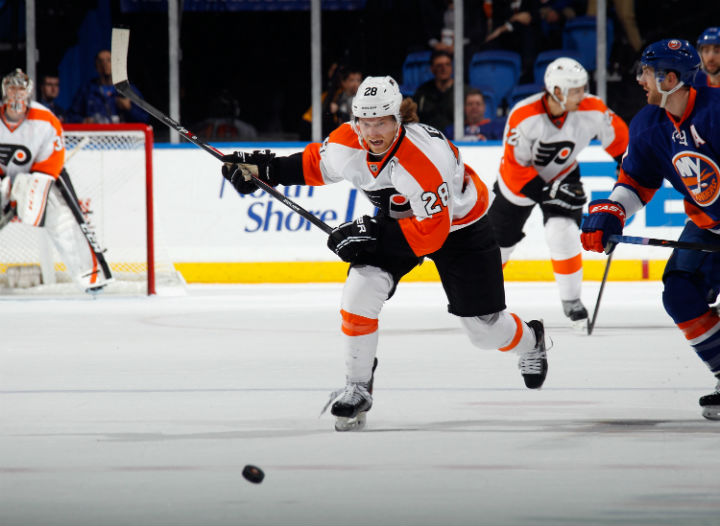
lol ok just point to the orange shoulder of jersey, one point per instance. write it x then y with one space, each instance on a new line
428 234
620 127
312 155
52 163
514 174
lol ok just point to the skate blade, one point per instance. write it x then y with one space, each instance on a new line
711 412
580 326
351 424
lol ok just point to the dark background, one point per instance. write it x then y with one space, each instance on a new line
262 59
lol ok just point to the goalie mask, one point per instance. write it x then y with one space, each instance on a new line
564 73
17 89
671 55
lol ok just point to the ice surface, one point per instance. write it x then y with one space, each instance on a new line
143 411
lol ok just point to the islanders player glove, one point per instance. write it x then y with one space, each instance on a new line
605 218
239 167
353 238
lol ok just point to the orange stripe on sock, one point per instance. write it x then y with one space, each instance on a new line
700 325
518 334
354 325
567 266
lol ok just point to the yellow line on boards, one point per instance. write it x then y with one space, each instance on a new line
335 272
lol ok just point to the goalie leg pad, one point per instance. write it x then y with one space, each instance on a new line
70 242
30 193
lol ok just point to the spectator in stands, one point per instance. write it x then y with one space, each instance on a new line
625 13
435 97
516 28
478 127
49 91
708 46
337 108
97 101
553 15
223 122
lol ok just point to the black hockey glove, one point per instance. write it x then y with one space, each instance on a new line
351 239
569 196
239 167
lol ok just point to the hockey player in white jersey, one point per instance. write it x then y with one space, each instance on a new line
32 154
543 137
430 205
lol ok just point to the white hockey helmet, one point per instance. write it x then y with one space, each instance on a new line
377 97
17 90
564 73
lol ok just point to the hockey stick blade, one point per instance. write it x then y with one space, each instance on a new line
632 240
121 38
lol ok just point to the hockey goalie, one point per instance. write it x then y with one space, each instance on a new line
33 185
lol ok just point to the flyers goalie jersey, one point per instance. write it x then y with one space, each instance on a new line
537 144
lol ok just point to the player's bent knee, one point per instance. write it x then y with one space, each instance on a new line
683 297
366 290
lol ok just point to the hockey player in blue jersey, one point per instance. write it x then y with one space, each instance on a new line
676 137
708 46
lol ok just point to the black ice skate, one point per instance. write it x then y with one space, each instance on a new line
533 363
578 314
351 404
711 404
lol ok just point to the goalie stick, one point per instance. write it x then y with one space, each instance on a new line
663 243
68 192
119 52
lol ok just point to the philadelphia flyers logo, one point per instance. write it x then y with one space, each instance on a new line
14 153
559 152
700 175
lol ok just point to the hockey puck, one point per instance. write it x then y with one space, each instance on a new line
253 473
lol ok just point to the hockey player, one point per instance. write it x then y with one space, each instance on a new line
430 205
543 137
32 153
708 46
675 137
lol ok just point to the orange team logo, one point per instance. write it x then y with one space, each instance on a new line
674 44
700 175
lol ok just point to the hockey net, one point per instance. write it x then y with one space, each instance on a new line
110 166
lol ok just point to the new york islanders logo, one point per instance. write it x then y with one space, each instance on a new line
700 175
15 153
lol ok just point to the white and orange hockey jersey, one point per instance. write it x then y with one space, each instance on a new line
537 144
421 181
35 145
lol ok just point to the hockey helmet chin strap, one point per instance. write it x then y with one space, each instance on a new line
666 94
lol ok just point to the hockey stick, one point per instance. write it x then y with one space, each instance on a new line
119 51
65 186
591 325
663 243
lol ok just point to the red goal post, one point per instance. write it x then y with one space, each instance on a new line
147 133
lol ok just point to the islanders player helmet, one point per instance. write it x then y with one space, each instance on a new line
711 36
675 55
